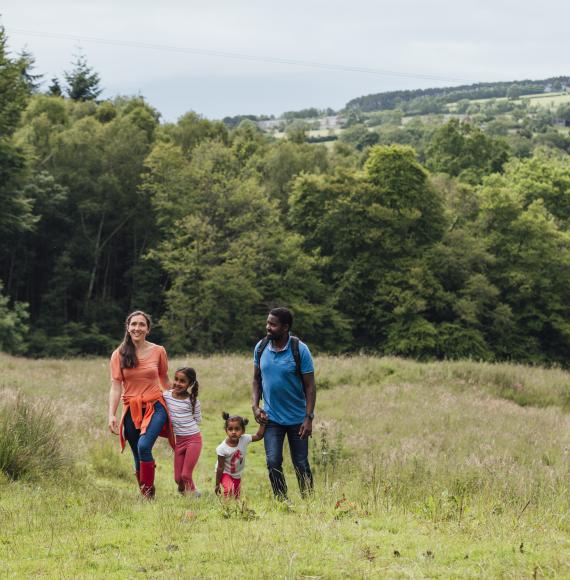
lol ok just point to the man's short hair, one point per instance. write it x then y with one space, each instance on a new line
284 315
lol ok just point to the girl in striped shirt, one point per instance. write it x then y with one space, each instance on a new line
185 416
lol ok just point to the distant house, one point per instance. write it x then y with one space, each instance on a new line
550 88
269 124
331 122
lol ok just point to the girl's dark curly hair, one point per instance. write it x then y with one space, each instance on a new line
190 374
227 418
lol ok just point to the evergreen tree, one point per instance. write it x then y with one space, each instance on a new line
27 64
55 90
82 81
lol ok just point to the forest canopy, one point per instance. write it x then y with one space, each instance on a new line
432 239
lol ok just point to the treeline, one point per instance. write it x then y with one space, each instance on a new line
399 99
104 210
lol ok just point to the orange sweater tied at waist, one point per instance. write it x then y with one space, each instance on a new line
142 410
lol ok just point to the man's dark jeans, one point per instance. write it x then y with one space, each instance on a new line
299 448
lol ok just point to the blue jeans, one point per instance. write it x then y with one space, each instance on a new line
299 448
141 445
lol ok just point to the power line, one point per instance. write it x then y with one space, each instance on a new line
237 56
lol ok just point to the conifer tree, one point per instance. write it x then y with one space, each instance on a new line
55 90
82 81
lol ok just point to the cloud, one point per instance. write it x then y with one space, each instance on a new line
488 40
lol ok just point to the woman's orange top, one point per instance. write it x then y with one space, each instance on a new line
142 388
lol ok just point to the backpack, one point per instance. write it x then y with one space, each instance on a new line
296 355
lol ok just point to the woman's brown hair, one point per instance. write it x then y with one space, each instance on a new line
127 350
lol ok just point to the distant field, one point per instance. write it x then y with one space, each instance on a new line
542 100
311 133
440 470
549 99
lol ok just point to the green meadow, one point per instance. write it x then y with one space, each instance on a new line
423 470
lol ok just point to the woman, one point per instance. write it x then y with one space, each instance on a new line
139 372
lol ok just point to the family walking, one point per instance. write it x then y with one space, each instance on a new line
283 404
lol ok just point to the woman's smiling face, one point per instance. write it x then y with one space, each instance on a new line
138 328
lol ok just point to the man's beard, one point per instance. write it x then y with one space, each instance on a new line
274 337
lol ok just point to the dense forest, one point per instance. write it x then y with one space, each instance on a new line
443 95
435 238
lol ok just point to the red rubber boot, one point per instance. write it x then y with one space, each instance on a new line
147 479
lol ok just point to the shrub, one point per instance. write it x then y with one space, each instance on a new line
31 445
13 327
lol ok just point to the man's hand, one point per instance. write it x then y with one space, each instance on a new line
306 429
260 416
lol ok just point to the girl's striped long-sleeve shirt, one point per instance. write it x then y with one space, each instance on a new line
184 421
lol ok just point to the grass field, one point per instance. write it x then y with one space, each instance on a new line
549 100
544 100
439 470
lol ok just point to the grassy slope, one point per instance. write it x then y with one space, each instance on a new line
446 470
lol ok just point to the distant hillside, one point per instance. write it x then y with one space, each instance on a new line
514 89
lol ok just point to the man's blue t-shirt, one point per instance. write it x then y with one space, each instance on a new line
283 391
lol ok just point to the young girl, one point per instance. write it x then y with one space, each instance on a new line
185 414
231 454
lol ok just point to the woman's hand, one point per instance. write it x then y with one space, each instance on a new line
217 489
113 426
114 398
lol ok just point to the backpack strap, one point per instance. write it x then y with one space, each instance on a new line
260 348
296 355
259 351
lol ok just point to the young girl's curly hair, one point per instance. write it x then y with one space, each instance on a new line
227 418
190 374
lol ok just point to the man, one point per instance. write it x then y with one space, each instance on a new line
287 384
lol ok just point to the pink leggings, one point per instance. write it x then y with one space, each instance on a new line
231 485
186 456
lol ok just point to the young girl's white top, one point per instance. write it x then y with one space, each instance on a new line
184 422
234 457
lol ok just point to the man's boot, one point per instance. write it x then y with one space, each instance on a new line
147 479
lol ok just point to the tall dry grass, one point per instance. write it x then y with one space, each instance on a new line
438 469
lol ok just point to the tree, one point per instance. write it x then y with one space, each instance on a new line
14 90
16 209
286 159
296 131
545 177
359 136
13 327
563 113
55 90
372 229
514 92
82 81
463 150
27 62
191 129
228 255
531 267
95 223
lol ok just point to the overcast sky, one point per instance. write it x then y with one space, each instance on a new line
448 41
